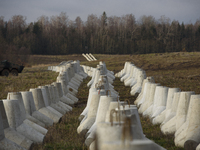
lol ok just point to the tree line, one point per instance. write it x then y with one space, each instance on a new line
105 35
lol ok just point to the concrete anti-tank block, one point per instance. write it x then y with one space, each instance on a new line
30 109
161 117
189 131
16 121
136 145
12 134
29 120
91 115
107 133
40 106
182 109
140 96
177 121
160 101
61 95
145 99
149 111
172 113
85 111
101 114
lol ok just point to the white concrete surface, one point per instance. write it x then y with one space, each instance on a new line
154 91
143 91
107 133
172 113
130 145
40 106
27 119
85 111
160 101
171 126
145 98
101 114
91 115
10 133
138 86
16 121
161 117
182 109
189 131
30 109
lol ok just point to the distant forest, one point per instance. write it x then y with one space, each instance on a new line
58 35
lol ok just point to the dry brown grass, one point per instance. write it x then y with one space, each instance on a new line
29 78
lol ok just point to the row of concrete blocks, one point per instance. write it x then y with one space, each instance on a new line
132 76
89 57
24 116
176 111
106 122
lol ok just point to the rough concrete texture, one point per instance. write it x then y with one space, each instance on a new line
145 99
58 102
132 113
6 144
92 80
101 114
150 97
38 98
141 96
54 104
122 72
149 111
161 117
106 132
16 121
138 86
85 111
28 103
129 145
182 109
30 109
172 113
131 77
112 106
189 131
40 106
11 139
135 77
12 134
91 115
61 95
160 101
29 120
175 123
18 138
127 73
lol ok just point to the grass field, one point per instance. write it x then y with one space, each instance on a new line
169 69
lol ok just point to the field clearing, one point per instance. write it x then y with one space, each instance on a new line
169 69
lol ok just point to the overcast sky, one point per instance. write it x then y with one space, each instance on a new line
187 11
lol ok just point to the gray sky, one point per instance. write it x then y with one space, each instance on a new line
187 11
